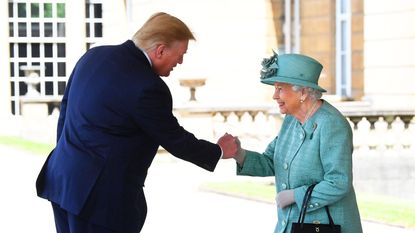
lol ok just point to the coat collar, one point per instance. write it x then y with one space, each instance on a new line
140 54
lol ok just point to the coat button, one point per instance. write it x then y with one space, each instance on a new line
285 166
284 186
311 206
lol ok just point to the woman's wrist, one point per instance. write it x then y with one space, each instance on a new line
240 156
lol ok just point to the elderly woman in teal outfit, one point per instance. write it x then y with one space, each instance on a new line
314 146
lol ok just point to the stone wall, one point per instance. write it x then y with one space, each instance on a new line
387 172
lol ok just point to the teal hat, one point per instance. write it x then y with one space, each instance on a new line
294 69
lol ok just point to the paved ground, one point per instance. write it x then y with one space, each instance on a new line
176 204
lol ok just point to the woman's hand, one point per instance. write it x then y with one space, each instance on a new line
285 198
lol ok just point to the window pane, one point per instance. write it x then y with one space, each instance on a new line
343 35
98 29
11 10
60 10
35 50
13 107
21 72
61 50
97 10
48 30
49 88
22 49
343 6
21 10
47 7
88 29
343 70
48 50
87 11
35 30
11 50
22 30
61 88
35 10
12 88
11 69
48 69
61 69
61 29
23 88
11 29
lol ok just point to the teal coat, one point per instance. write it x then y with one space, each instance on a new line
320 151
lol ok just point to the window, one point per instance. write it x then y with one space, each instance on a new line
94 22
292 27
343 48
37 48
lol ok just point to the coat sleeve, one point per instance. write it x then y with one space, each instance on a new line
153 114
257 164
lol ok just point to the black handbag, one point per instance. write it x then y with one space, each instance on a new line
301 227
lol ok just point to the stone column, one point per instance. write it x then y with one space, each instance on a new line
116 28
389 45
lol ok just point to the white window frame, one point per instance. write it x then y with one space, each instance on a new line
343 49
92 39
292 26
14 39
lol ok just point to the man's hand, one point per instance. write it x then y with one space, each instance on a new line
228 145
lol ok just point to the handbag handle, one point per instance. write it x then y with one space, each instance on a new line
303 210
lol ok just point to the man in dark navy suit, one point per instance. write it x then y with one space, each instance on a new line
115 113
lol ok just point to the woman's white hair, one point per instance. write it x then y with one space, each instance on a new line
313 93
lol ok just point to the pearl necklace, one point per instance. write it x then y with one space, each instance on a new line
310 111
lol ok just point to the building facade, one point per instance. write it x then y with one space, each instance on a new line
364 46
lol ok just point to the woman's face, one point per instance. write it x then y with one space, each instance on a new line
288 100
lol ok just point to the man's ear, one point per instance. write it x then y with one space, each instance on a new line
159 51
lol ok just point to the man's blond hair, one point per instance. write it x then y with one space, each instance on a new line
161 28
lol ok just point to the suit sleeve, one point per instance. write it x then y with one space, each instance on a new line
153 114
62 111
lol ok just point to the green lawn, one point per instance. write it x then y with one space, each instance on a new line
376 208
249 190
33 147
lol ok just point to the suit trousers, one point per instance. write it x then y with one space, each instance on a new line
69 223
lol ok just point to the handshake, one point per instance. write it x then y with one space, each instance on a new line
231 148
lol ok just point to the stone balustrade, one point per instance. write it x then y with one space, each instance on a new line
373 128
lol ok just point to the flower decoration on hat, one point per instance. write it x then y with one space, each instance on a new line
269 66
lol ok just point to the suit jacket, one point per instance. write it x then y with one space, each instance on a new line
115 113
320 151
